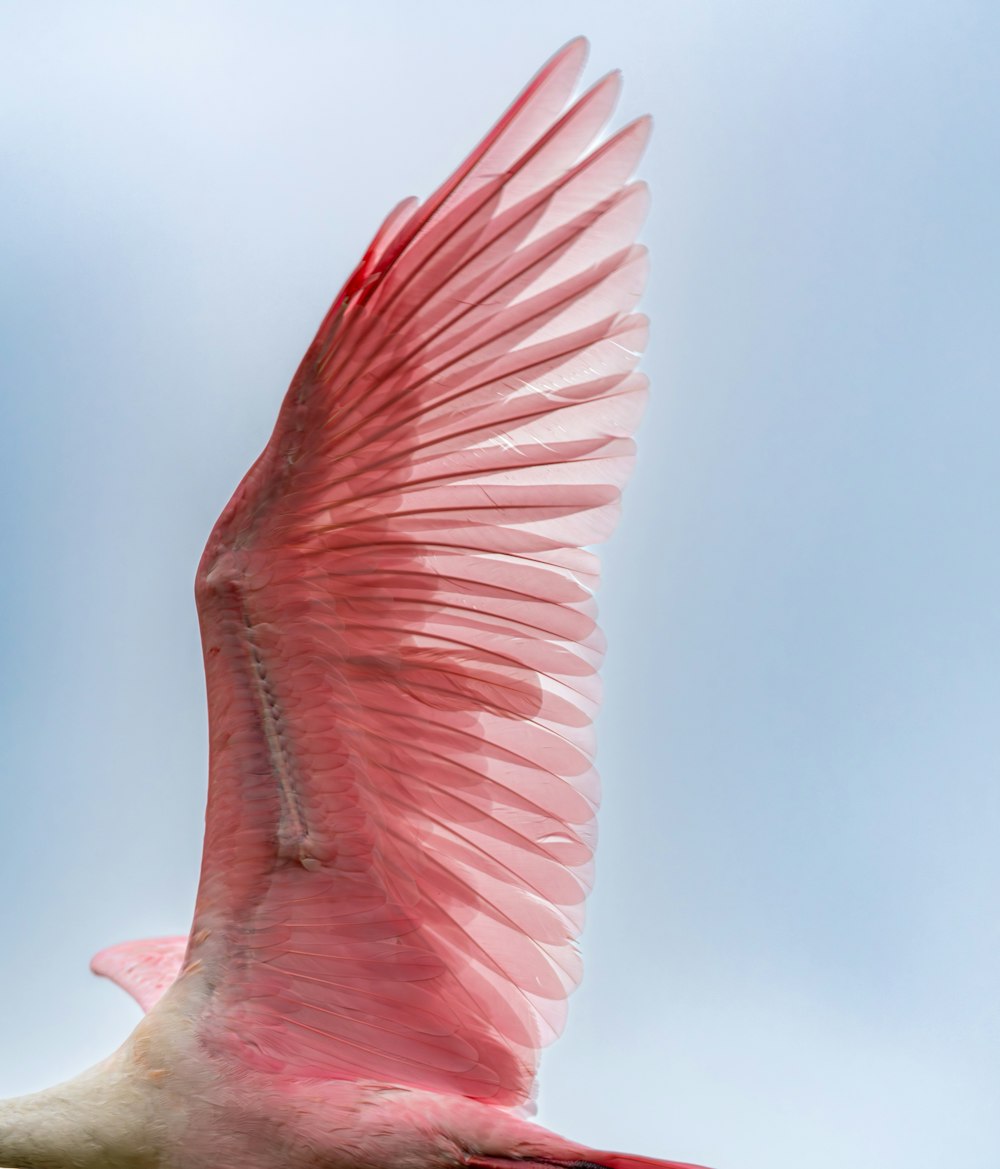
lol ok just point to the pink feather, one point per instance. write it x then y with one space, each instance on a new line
145 969
398 625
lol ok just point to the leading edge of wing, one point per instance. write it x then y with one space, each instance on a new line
399 630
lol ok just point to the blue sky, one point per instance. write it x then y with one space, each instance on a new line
793 950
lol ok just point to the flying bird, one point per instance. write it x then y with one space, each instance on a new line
401 655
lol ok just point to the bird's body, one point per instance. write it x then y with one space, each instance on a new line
162 1102
401 655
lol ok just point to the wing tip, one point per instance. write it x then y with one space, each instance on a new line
576 51
642 128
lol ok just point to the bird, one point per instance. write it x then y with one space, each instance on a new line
401 654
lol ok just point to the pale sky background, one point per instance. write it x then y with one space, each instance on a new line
794 947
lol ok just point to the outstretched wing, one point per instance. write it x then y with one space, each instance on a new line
145 969
398 628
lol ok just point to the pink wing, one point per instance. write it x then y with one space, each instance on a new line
398 628
145 969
